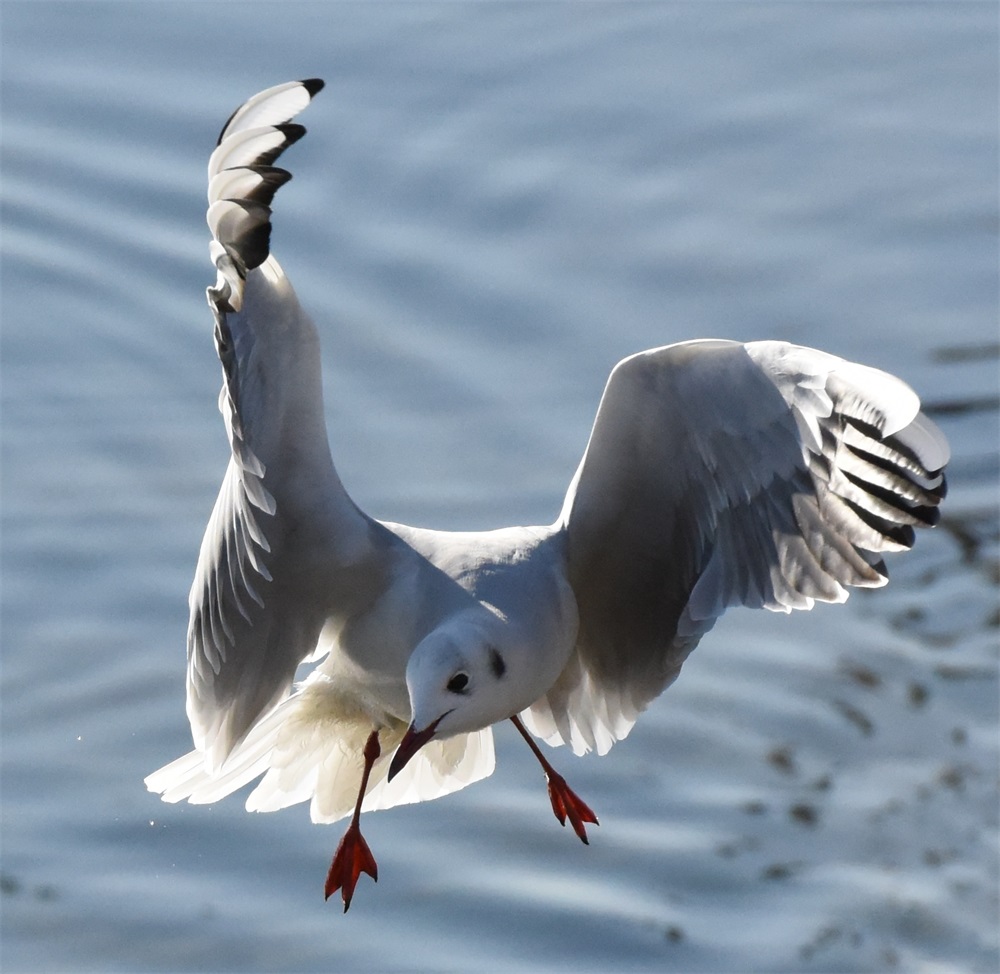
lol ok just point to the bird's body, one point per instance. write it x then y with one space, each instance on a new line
717 474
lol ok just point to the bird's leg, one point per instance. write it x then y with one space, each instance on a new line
565 802
353 857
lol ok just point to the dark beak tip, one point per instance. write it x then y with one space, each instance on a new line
413 740
395 766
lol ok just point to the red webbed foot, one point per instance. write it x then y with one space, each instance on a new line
568 805
353 857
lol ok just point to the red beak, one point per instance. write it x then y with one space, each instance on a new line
413 740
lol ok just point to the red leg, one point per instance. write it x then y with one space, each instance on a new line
353 857
565 802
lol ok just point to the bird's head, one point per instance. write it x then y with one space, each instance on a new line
459 680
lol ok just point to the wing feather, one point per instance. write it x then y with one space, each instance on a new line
719 474
285 547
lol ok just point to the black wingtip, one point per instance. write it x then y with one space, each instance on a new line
222 133
292 131
313 85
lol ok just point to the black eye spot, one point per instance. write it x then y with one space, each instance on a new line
458 683
497 665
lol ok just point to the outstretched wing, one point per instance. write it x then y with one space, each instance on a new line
719 474
285 545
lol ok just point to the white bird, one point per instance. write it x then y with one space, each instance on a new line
717 474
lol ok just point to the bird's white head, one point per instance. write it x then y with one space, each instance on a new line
462 677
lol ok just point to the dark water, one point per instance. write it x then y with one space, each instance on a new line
494 204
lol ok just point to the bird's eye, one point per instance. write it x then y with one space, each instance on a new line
458 683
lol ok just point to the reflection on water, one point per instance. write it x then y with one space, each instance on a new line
494 204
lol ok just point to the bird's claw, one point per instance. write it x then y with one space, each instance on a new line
567 804
352 858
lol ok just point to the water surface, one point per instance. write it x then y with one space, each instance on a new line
495 203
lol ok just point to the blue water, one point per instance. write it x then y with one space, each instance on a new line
495 203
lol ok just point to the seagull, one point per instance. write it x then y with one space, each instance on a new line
717 474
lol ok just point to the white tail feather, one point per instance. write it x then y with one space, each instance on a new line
308 755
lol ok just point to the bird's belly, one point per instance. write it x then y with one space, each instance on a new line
335 692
